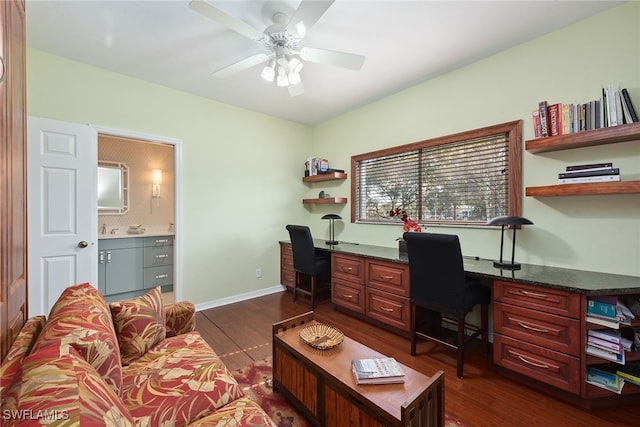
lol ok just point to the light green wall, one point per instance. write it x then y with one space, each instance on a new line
600 233
232 156
241 170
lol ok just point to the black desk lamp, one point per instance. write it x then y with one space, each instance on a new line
513 221
331 218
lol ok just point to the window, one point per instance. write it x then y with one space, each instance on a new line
462 179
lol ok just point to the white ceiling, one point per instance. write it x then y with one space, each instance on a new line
405 43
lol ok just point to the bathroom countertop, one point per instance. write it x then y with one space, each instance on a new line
150 231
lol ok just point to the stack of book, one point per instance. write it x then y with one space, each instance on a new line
384 370
607 344
598 172
613 108
608 311
604 379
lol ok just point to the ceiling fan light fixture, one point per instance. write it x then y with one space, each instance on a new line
283 80
301 29
294 78
269 72
295 65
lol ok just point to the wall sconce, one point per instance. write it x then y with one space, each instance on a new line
157 180
512 221
331 217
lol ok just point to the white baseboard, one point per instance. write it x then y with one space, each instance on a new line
240 297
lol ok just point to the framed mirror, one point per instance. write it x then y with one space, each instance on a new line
113 188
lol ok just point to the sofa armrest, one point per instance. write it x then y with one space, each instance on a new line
180 318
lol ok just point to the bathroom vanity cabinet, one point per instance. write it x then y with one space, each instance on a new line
130 266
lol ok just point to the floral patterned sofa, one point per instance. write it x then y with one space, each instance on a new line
131 363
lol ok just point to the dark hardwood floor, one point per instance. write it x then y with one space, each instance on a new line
241 332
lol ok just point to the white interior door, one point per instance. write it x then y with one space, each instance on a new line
62 206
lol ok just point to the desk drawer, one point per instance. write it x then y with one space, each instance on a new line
537 298
349 268
388 276
548 366
555 332
388 308
287 277
348 295
286 260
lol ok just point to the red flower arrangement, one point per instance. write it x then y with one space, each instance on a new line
409 224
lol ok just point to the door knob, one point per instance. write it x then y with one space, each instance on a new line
82 244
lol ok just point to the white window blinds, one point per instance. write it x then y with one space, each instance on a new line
448 181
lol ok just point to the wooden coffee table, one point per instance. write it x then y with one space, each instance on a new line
320 384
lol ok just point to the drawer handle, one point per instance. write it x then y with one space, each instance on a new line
162 240
388 310
386 277
537 365
531 328
347 296
533 294
162 276
347 268
162 256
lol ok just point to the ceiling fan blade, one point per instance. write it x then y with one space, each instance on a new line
331 57
241 65
295 90
307 14
229 21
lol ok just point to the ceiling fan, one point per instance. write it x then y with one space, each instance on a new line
282 42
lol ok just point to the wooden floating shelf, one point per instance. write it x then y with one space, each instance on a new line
325 177
325 201
593 188
589 138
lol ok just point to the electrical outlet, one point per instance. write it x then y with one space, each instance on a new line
258 273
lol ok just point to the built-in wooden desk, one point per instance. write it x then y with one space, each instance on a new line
539 321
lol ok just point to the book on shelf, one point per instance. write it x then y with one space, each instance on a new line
605 109
588 172
544 119
566 118
382 370
589 167
630 372
623 313
555 119
537 127
611 106
604 344
613 324
605 354
605 335
604 379
627 103
619 111
602 306
587 179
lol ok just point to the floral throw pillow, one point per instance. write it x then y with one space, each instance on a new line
139 324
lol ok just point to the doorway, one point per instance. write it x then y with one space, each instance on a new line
152 182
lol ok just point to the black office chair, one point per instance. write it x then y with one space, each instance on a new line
438 283
308 261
